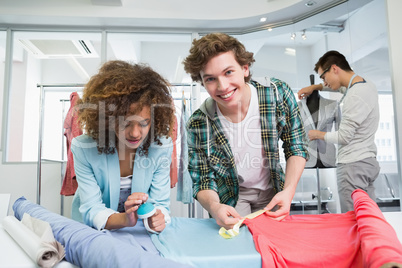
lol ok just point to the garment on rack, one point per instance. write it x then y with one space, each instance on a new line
184 184
72 129
359 238
173 165
328 117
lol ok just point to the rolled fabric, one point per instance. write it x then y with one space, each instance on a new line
35 237
380 245
87 247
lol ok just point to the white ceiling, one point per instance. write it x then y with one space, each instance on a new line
234 16
237 17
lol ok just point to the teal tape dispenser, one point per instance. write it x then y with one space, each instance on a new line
146 210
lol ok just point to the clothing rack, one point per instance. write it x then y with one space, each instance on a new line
43 88
66 88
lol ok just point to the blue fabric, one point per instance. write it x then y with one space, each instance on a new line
184 181
197 242
87 247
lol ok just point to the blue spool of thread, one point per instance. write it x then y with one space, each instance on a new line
146 210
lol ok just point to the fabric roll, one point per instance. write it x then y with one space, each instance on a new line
87 247
35 237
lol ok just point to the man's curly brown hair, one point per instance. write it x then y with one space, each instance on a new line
211 45
107 98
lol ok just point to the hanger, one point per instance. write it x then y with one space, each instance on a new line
184 99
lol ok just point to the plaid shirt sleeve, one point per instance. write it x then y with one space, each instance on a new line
200 172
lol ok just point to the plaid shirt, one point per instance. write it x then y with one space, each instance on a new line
211 162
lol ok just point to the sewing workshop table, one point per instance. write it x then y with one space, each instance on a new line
202 248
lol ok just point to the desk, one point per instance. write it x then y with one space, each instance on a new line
212 245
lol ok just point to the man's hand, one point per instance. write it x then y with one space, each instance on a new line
281 202
225 216
306 91
316 135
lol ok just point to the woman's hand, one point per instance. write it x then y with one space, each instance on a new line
131 206
157 221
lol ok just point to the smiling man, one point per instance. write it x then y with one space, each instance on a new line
357 166
233 137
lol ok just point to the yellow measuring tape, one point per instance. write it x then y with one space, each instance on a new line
236 228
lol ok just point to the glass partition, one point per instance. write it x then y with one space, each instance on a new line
45 58
3 35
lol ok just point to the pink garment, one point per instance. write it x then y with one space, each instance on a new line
173 165
72 129
360 238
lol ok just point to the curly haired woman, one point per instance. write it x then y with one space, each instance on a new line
122 160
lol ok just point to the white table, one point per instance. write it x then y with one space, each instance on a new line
12 256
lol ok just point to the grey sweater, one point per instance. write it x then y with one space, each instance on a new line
359 123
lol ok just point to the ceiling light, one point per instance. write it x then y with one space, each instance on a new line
263 19
290 51
293 36
310 3
304 37
269 29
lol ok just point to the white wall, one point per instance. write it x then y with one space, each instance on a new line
393 8
21 180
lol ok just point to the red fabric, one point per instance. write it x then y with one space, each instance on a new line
379 241
72 129
328 240
173 165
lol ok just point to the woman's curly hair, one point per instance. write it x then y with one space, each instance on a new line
211 45
107 98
